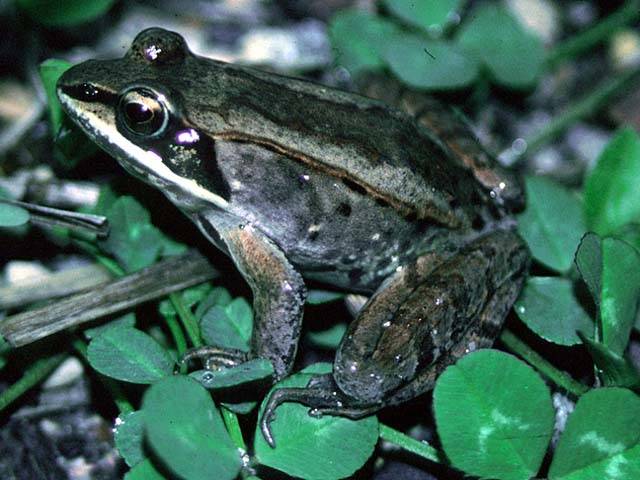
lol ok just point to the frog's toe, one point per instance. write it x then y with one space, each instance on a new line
276 398
354 413
321 396
214 358
268 416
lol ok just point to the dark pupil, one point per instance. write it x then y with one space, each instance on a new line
138 112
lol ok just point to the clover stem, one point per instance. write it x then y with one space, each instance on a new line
233 427
583 108
33 375
188 320
410 444
560 378
598 33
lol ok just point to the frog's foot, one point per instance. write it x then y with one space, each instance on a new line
322 396
215 358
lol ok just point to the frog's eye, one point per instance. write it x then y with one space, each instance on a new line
143 112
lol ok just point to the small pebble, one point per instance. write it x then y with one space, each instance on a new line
581 14
303 46
625 49
69 371
539 16
586 142
19 270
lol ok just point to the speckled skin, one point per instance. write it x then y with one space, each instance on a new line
294 179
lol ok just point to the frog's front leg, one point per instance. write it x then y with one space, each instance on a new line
278 296
415 325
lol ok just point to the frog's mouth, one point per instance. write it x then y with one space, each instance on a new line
96 116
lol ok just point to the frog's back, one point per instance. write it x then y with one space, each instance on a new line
367 144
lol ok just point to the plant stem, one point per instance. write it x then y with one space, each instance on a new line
412 445
188 320
119 398
583 108
233 427
34 374
598 33
103 260
176 333
560 378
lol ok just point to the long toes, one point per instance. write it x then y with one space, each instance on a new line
214 356
265 426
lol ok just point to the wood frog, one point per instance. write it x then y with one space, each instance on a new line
296 180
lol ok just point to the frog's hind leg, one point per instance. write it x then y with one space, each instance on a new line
489 323
395 351
416 324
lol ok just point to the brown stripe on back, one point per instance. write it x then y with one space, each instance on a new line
355 183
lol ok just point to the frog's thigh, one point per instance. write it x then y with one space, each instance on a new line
278 295
399 343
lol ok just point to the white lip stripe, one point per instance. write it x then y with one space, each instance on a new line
146 158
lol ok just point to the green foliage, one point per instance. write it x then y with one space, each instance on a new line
329 338
189 297
133 240
50 71
318 297
145 470
216 296
429 15
611 190
507 421
4 349
489 40
601 439
130 355
189 434
552 223
127 320
64 14
71 144
358 38
595 441
129 437
549 307
12 216
611 269
609 266
511 54
229 326
430 64
337 445
615 370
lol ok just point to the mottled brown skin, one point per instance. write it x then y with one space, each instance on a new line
296 180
